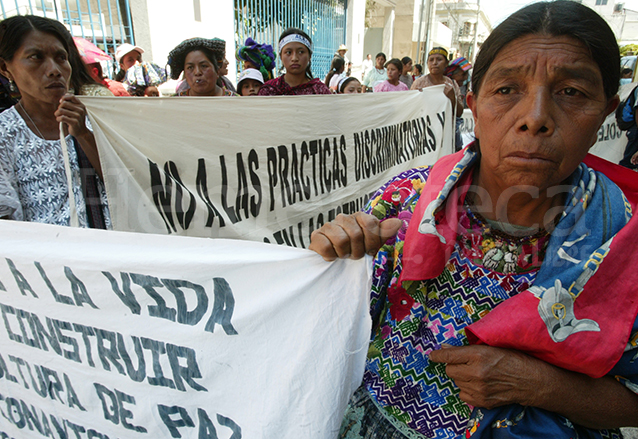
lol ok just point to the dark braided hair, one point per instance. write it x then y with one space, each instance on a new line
294 30
337 66
14 30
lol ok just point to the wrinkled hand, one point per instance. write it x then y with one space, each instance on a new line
352 236
73 114
491 377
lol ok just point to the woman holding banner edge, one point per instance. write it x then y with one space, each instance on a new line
513 244
39 57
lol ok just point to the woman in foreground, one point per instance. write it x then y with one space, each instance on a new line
501 306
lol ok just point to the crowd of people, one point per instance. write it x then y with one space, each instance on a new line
200 66
44 71
450 266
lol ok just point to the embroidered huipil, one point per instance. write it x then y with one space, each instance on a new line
410 320
33 183
279 87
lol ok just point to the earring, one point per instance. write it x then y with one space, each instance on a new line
12 86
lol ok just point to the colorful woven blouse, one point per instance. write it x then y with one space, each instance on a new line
279 86
486 267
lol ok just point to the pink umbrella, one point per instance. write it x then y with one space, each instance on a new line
89 52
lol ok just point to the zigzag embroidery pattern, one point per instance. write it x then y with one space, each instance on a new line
399 375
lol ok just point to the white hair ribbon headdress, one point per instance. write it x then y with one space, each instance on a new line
295 38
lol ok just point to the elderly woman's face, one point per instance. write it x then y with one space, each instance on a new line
40 68
538 111
200 74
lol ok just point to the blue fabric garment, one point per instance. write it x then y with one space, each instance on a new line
595 211
628 110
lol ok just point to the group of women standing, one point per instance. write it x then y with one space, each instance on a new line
42 63
201 59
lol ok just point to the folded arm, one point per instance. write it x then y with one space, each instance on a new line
491 377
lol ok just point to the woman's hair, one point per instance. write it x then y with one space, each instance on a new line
214 49
439 51
97 66
381 54
261 55
419 67
15 29
396 62
336 67
344 83
405 60
294 30
557 18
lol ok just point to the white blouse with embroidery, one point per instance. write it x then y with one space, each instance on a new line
33 183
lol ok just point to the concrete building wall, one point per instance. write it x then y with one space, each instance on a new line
462 18
388 31
624 22
355 28
403 29
402 37
373 41
160 25
142 28
441 36
630 28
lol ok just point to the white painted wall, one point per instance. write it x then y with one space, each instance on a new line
355 28
630 28
388 31
160 25
441 35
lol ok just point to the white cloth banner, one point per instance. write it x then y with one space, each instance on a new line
126 335
261 168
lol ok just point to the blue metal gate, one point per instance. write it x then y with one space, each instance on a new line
106 23
323 20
